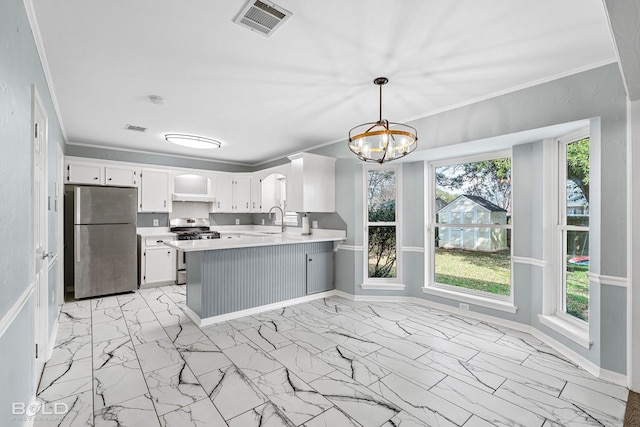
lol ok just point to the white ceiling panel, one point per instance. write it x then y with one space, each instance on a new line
307 83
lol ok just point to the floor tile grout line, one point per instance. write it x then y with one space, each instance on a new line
128 325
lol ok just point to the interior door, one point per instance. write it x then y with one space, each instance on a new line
40 232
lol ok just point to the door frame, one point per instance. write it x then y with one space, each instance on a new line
40 301
59 207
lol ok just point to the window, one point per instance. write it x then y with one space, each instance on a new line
471 223
573 228
382 225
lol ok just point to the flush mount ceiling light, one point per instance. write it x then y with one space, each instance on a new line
382 141
192 141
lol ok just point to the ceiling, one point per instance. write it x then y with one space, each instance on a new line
309 82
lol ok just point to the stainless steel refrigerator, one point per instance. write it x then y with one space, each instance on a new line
100 240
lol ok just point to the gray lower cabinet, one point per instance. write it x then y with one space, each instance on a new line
319 272
224 281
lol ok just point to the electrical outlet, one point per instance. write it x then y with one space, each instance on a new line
262 221
156 222
464 306
314 224
237 221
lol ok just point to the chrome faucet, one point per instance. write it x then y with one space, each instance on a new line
282 213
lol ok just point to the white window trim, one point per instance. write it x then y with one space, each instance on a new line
382 283
485 299
552 296
562 228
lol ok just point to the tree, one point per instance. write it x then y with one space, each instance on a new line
381 192
489 179
382 240
578 165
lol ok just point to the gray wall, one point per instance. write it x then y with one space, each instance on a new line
20 68
154 159
596 95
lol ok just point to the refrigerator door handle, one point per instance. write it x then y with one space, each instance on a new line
78 206
77 246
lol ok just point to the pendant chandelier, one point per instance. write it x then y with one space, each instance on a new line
382 141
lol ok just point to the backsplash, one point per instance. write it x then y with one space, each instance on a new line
146 219
230 218
331 221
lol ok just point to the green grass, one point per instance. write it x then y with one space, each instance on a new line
578 292
482 271
491 272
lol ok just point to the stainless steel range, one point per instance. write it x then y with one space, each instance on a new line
190 229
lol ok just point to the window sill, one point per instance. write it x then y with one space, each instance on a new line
576 333
382 286
494 304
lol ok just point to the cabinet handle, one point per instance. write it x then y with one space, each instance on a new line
218 205
158 241
165 203
247 205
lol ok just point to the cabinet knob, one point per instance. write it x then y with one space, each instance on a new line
95 177
109 179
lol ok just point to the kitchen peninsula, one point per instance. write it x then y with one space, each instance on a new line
247 272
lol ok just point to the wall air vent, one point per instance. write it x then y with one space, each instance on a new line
261 17
135 128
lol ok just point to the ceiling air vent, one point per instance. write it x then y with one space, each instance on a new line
135 128
261 17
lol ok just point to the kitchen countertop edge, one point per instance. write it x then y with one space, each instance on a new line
254 241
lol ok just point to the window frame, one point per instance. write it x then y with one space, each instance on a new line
382 283
486 299
562 228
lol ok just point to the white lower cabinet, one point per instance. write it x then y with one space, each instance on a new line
157 262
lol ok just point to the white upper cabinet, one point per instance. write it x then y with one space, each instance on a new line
122 177
242 193
154 191
233 193
84 173
224 193
99 174
256 192
311 183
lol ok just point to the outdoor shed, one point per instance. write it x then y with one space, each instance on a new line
468 210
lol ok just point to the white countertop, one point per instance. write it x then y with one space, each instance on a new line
154 231
245 239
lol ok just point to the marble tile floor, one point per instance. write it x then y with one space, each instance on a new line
137 360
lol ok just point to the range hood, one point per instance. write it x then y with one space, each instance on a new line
191 197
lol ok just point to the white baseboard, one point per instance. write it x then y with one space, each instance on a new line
254 310
54 334
587 365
